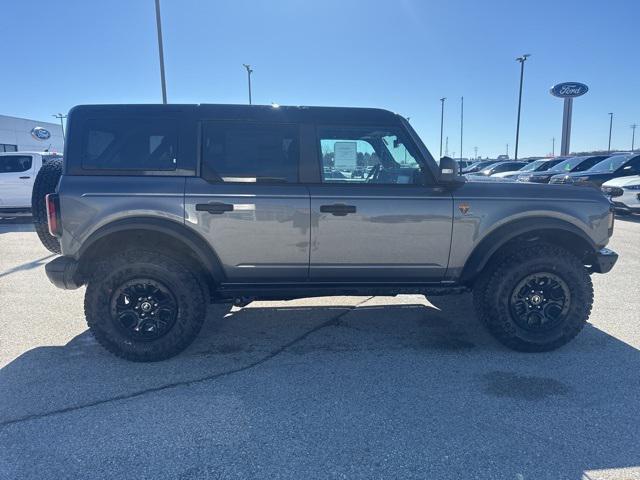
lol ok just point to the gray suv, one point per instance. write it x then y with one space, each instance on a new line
163 209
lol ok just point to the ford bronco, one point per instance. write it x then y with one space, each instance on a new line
163 209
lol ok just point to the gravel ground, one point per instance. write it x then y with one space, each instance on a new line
341 387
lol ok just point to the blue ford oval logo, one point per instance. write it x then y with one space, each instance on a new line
569 89
40 133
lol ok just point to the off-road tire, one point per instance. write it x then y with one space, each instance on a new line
46 182
182 282
493 290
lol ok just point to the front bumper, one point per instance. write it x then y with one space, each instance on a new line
603 260
63 273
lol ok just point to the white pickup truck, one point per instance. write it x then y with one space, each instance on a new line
17 173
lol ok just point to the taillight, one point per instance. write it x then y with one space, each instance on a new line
53 214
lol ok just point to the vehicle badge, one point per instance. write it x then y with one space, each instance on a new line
464 208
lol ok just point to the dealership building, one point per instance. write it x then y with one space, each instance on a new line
21 134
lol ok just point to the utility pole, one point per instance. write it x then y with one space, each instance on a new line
553 147
441 122
475 149
521 59
633 135
161 53
610 127
507 150
249 72
60 116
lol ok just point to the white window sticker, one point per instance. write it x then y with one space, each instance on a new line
345 155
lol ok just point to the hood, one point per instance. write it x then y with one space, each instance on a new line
622 181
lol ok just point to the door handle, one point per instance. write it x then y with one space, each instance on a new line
215 208
338 209
24 178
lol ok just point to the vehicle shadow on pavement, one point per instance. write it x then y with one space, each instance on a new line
27 266
448 391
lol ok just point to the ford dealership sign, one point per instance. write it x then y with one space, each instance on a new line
40 133
569 89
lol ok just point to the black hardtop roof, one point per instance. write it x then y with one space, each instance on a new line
252 112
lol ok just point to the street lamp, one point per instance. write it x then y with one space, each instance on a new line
461 123
60 116
610 127
633 135
249 72
161 52
441 122
521 59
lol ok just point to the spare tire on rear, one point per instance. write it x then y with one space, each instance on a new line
45 183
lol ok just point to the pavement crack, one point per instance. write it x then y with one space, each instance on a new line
334 321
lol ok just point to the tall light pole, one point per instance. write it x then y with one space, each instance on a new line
249 72
475 149
161 52
553 147
633 135
441 122
461 123
610 127
521 59
60 116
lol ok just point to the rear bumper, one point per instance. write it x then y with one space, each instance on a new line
62 272
603 260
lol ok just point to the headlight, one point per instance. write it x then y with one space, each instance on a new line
632 187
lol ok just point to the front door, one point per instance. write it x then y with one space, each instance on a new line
375 217
16 180
248 203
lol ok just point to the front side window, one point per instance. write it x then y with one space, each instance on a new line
130 144
375 156
15 163
250 153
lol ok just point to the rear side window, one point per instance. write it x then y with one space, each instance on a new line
130 144
15 163
250 153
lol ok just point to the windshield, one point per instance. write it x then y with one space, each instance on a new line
567 165
533 166
610 164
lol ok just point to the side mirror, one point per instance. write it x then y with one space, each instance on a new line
449 170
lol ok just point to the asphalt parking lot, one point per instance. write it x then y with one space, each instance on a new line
342 387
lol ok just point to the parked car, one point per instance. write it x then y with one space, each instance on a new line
540 165
611 167
567 165
498 168
17 173
477 166
163 209
624 193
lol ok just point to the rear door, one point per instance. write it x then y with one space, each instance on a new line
247 201
16 180
376 216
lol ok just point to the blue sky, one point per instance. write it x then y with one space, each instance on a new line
401 55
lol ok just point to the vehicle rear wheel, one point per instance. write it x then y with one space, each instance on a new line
536 298
46 182
144 306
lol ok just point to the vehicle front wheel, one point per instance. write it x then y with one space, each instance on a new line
537 298
144 306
